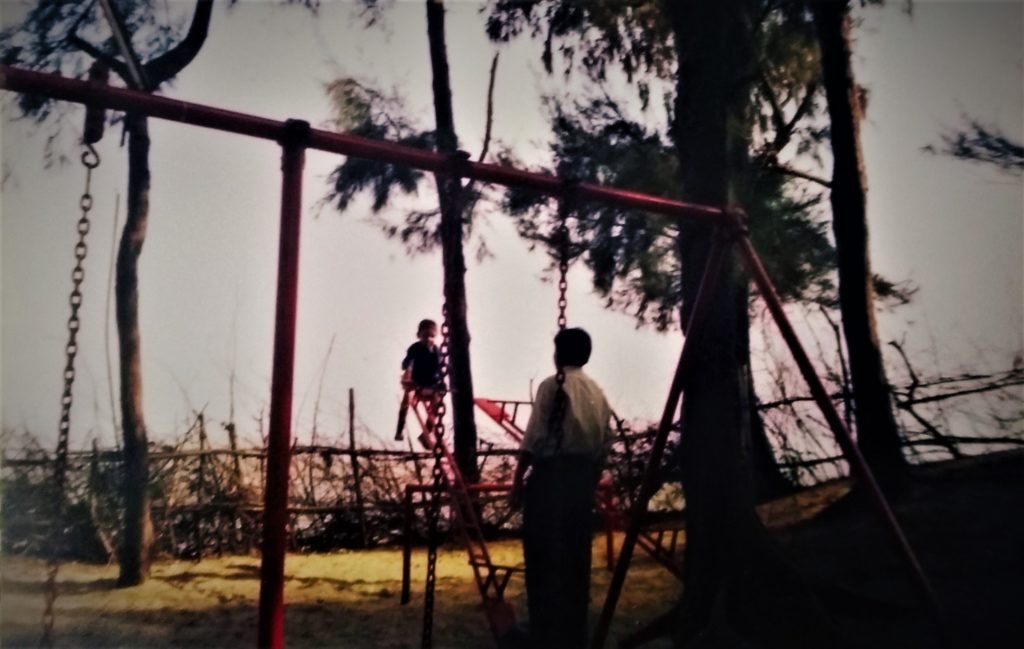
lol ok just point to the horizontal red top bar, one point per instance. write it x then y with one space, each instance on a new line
58 87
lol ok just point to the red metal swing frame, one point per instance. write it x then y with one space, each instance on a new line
295 137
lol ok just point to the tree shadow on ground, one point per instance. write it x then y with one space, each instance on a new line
374 625
969 537
38 587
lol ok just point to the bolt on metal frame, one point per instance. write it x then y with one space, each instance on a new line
295 137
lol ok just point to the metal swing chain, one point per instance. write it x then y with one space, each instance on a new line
437 489
90 160
565 208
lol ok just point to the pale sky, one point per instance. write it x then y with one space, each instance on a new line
208 266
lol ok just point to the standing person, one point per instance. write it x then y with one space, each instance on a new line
421 375
564 447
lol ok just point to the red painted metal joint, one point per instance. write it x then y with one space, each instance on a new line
296 134
458 164
736 223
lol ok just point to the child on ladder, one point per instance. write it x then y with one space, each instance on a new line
564 458
421 376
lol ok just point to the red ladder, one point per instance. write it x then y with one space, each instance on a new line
491 578
660 540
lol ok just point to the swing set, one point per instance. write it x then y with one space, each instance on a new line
294 138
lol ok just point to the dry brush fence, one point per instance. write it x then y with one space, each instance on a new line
209 500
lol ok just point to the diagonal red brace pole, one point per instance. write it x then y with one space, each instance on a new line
712 271
275 495
842 434
760 278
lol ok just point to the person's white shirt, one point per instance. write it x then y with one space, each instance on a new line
585 427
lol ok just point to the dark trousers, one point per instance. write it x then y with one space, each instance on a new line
557 535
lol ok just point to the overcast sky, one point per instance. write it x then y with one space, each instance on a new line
208 267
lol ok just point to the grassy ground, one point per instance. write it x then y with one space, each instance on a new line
966 524
346 599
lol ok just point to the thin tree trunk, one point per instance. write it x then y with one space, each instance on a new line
877 432
236 468
136 545
450 194
357 482
201 495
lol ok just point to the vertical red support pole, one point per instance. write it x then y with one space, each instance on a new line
842 434
275 498
712 271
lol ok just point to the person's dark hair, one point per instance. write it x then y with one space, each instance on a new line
425 324
572 347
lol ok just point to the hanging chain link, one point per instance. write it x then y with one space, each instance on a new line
90 160
563 259
565 208
437 488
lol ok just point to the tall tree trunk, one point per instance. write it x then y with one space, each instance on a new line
449 191
137 541
877 433
736 583
718 489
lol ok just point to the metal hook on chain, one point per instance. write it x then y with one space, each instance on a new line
91 159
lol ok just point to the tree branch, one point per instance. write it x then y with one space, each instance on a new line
490 109
111 62
777 115
789 401
783 169
961 439
167 65
844 369
784 128
980 143
938 437
801 110
962 393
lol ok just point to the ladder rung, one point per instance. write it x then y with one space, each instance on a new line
498 567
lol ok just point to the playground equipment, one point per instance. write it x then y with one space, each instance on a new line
295 137
660 540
